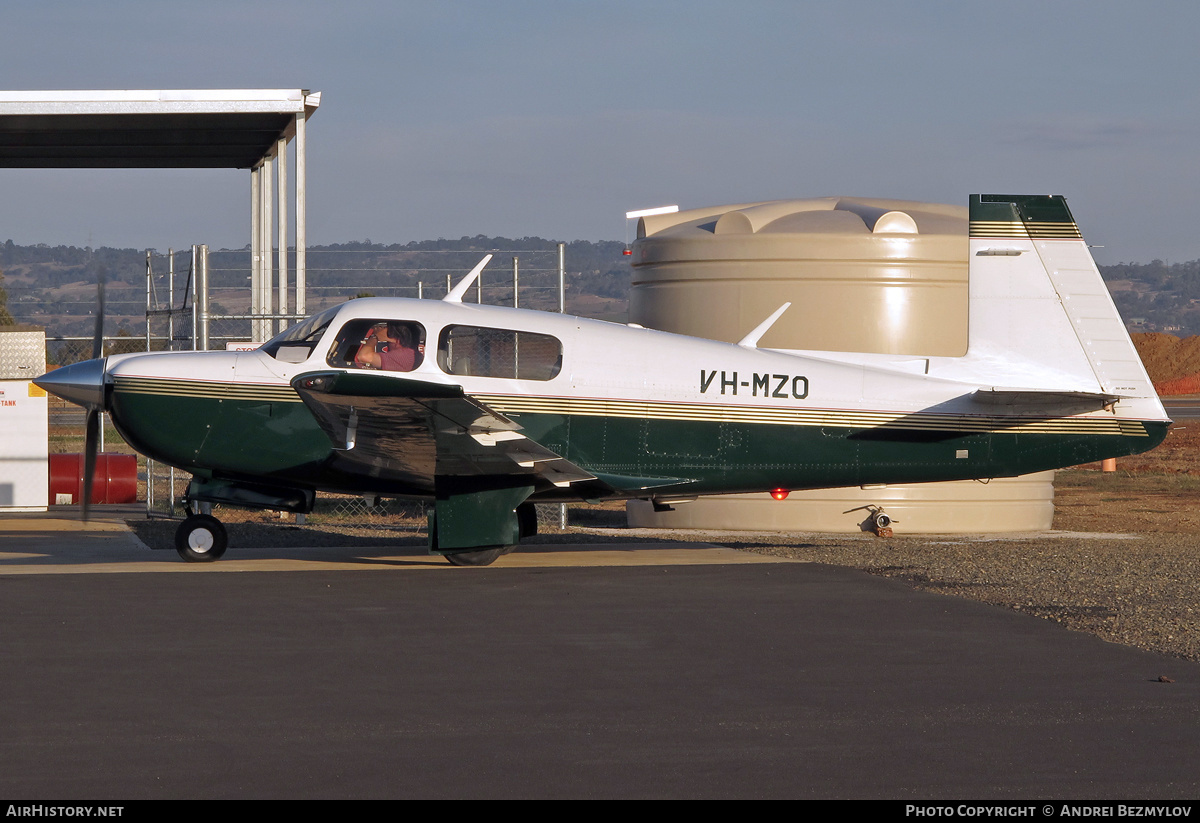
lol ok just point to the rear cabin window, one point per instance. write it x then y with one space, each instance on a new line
483 352
387 345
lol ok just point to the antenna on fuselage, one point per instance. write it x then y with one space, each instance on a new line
456 294
750 341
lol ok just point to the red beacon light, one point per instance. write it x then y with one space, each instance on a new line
780 494
627 251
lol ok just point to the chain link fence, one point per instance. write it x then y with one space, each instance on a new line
532 278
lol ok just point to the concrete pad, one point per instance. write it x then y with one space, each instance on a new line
758 681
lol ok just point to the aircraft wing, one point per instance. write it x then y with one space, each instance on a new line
412 431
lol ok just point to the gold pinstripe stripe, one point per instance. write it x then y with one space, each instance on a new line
665 410
997 228
654 410
1013 228
198 388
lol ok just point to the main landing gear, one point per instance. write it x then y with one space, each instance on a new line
482 557
201 539
482 527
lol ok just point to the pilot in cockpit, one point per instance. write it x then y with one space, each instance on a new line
390 346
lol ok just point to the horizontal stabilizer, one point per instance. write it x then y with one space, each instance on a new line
1041 397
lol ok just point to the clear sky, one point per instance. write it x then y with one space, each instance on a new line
553 118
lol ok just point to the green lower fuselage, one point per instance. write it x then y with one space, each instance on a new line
278 440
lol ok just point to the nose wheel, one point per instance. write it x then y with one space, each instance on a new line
201 539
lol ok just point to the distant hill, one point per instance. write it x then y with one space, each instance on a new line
1156 296
55 286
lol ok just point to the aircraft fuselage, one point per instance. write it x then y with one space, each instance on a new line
625 402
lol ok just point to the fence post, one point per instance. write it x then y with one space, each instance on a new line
149 285
171 299
562 281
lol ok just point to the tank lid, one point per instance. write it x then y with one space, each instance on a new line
820 215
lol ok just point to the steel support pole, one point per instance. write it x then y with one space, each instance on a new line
195 300
301 213
265 328
202 295
516 281
281 162
255 241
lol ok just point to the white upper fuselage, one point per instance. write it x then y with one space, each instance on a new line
609 362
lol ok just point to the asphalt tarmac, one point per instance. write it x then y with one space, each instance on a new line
663 670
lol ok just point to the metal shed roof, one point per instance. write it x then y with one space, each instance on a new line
148 128
188 128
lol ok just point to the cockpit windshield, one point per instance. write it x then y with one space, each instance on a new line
294 345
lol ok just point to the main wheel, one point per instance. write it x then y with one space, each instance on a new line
201 539
482 557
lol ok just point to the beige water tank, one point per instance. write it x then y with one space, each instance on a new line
862 275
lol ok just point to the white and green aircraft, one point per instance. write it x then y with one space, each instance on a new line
494 408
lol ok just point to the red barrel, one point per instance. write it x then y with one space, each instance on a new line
114 481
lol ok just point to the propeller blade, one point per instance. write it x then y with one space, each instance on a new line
98 337
90 446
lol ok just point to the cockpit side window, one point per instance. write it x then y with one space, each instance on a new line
389 345
484 352
294 345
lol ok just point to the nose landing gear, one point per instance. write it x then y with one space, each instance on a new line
201 539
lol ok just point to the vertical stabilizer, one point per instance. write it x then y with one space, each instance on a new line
1040 315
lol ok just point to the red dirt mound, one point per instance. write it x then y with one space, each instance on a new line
1172 363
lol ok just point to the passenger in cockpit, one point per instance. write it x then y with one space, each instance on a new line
391 346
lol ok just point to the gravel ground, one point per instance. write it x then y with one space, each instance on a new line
1136 589
1138 586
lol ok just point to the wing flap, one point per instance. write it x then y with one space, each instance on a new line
412 431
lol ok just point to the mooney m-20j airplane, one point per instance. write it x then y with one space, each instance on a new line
483 409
